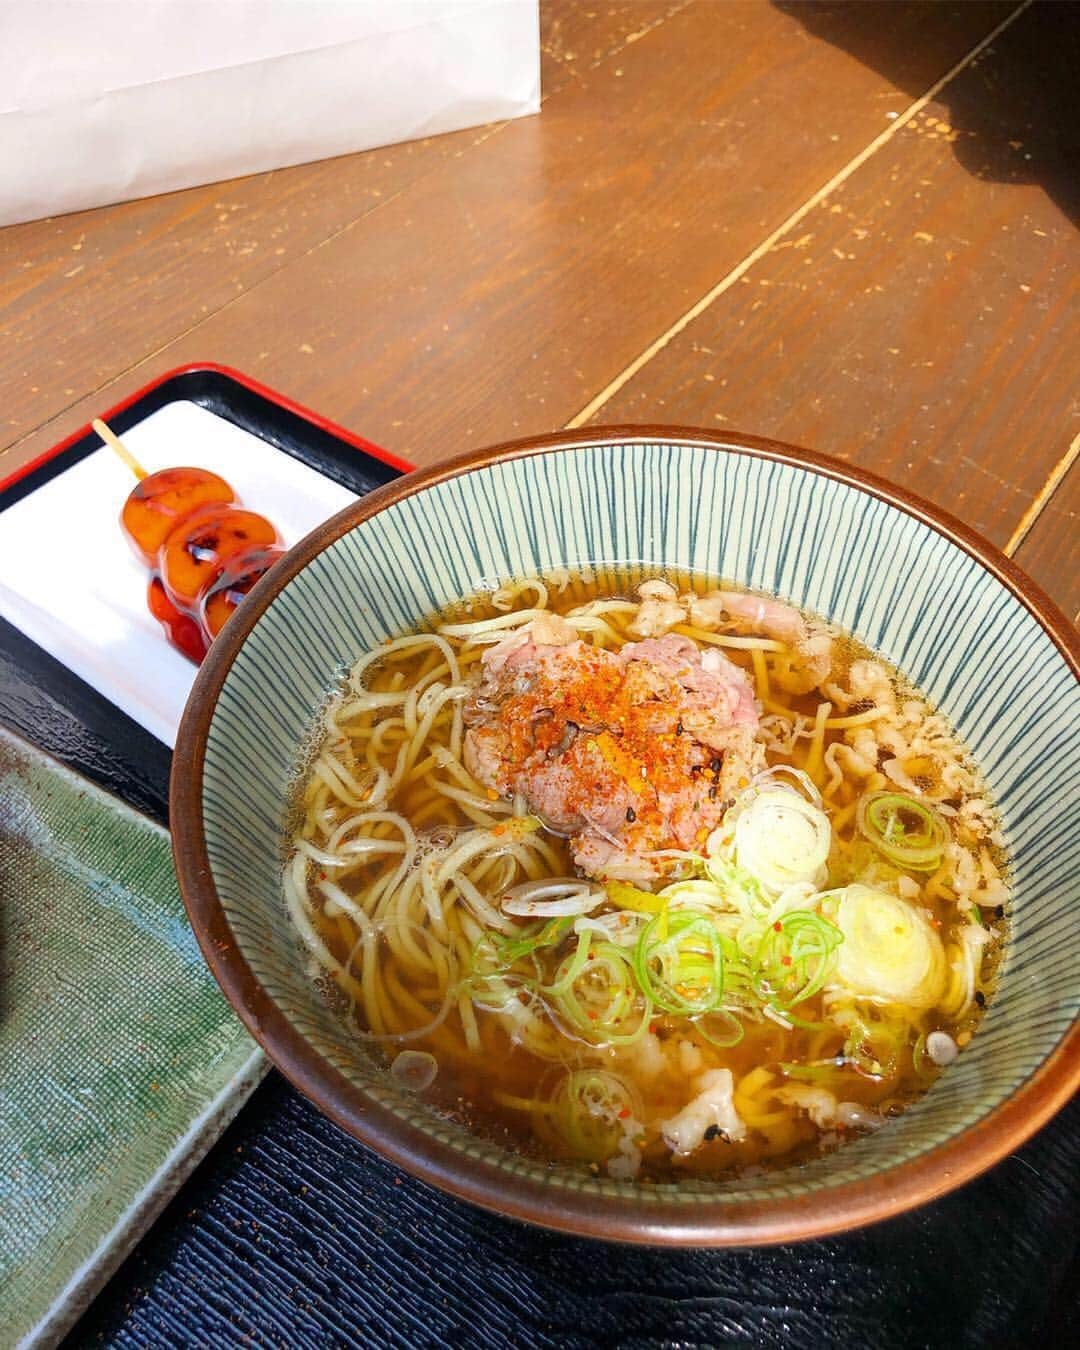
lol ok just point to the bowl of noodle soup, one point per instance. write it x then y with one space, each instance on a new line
652 835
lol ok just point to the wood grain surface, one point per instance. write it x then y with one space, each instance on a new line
506 286
921 319
575 38
918 318
84 297
1046 543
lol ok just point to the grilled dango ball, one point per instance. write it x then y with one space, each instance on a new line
236 579
195 553
205 550
160 501
180 629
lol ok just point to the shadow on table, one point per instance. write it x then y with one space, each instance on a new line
1016 109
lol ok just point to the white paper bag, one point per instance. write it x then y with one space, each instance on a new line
104 100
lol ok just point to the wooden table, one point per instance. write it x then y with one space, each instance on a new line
844 225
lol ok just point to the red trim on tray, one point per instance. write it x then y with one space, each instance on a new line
264 391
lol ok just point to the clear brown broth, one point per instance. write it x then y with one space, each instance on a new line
476 1089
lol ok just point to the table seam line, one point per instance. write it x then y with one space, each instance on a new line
789 223
1043 497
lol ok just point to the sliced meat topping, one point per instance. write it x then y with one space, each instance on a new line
628 753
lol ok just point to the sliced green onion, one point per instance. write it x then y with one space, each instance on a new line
495 952
781 839
495 992
874 1044
545 935
496 979
741 889
720 1028
890 951
591 1108
738 975
570 968
679 962
923 1065
795 956
908 832
697 894
595 994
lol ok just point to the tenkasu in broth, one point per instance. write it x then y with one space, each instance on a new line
655 879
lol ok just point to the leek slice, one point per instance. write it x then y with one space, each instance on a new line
590 1108
910 833
782 839
889 952
679 963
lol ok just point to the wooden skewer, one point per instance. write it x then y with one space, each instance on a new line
113 441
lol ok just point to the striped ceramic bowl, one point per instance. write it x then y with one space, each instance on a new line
943 605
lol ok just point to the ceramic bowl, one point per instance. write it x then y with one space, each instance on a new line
949 610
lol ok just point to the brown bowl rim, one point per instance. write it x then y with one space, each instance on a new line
655 1221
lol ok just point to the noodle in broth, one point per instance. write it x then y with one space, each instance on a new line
662 883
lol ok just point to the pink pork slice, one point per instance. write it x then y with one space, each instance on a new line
627 753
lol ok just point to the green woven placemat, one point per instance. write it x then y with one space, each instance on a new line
120 1061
